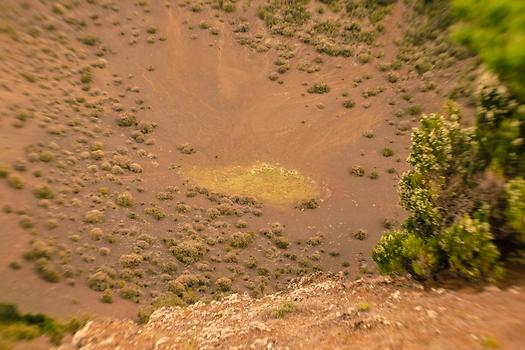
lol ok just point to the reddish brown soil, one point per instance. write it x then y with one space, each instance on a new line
329 314
205 90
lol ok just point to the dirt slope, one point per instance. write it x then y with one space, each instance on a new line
105 105
329 313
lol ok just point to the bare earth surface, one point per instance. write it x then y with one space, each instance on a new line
373 313
108 107
104 99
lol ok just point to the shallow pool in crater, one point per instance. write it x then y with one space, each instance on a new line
268 182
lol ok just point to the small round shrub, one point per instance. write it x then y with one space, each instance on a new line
224 284
241 239
131 260
99 281
15 181
124 199
360 234
93 216
387 152
348 104
282 242
43 192
107 297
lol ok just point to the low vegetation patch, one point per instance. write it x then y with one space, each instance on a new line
16 326
265 181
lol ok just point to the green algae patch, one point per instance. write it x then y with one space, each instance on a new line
267 182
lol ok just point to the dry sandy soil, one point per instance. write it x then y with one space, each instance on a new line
329 313
106 106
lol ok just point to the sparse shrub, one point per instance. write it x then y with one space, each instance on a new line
156 213
15 265
311 203
414 110
224 284
97 154
99 281
348 104
373 175
131 260
314 241
93 216
369 134
89 40
43 192
392 77
360 234
26 222
389 223
15 181
186 148
126 120
104 251
46 156
188 251
107 297
285 309
363 307
318 88
124 199
47 270
273 76
364 57
130 293
282 242
51 224
241 239
241 224
357 171
4 170
387 152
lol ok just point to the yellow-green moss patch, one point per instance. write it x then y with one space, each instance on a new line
267 182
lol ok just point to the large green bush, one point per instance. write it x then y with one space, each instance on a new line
440 194
465 192
469 249
500 128
388 253
495 30
515 209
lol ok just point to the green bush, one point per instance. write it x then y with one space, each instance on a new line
500 128
17 326
400 251
422 255
470 251
465 192
285 309
388 252
515 206
439 193
495 29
